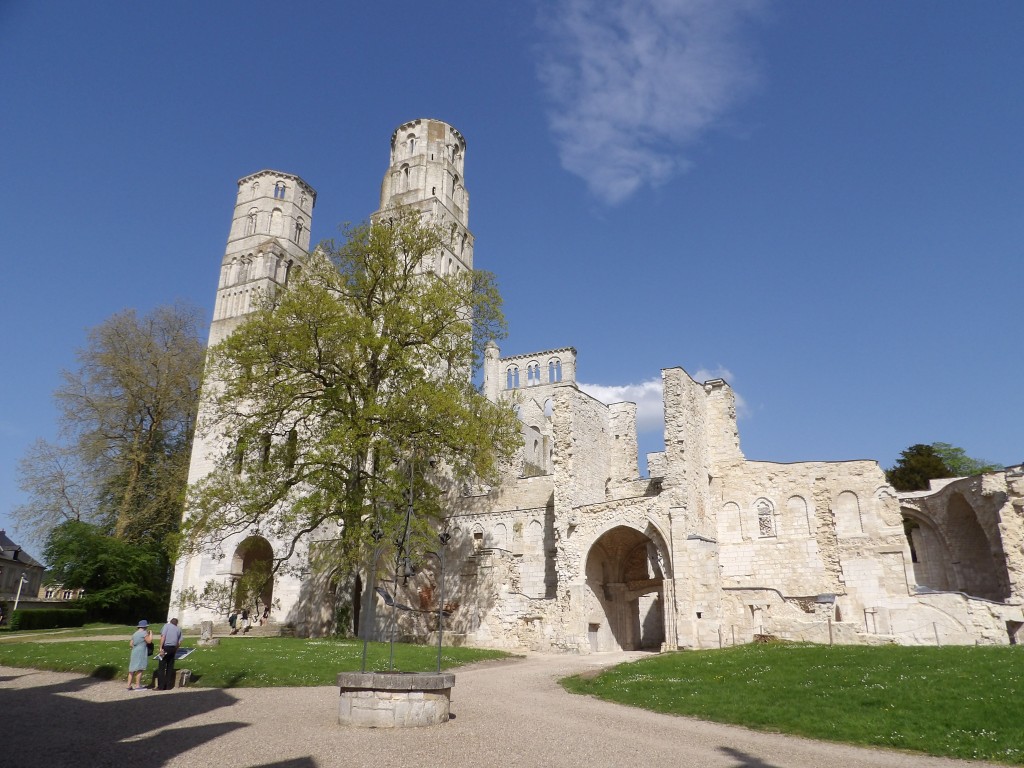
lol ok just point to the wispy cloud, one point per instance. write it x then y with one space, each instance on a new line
650 408
633 83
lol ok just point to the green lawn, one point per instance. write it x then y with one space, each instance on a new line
961 702
243 662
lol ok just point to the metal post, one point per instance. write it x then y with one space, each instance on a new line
402 550
377 536
17 597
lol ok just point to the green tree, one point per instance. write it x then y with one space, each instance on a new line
340 389
127 414
120 579
920 463
959 463
916 466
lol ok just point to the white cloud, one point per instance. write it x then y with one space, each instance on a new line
632 83
647 396
650 408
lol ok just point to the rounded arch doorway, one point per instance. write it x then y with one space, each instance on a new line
625 574
252 572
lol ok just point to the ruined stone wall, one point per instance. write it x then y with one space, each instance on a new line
811 529
624 466
581 457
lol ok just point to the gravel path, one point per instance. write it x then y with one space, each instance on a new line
506 713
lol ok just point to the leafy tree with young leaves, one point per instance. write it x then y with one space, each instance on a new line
921 463
121 580
127 414
338 390
959 463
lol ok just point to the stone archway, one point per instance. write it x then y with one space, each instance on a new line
929 552
625 574
973 553
253 561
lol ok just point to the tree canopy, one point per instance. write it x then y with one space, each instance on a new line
120 579
921 463
126 414
336 391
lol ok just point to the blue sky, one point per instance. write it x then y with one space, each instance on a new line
821 202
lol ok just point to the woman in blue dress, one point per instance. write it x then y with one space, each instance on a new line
139 659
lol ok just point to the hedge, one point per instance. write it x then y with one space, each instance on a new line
47 618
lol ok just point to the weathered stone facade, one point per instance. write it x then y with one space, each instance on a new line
575 551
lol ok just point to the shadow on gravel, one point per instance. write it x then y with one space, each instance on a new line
299 762
45 727
745 760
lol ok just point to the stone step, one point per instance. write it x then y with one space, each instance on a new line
271 629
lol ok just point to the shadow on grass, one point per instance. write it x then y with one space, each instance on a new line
50 726
105 672
745 760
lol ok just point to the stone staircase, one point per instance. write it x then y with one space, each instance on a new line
271 629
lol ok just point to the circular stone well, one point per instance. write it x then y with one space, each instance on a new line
394 699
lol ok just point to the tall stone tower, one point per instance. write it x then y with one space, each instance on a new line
426 173
268 241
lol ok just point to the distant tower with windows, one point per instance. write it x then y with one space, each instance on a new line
426 174
268 241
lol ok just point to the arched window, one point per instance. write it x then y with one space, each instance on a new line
554 370
299 226
255 188
250 224
412 144
512 377
279 189
276 221
765 518
533 374
405 178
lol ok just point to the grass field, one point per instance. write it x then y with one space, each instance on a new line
242 662
962 702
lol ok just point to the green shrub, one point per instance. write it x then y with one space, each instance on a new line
47 618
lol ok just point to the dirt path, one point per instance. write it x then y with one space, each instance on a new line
510 714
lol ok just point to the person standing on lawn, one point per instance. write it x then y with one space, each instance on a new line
170 639
139 659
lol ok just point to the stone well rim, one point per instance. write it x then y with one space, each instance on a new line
396 681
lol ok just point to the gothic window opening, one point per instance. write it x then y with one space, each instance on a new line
765 518
279 189
412 144
512 377
291 449
405 178
532 374
265 451
250 224
299 226
239 457
554 370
